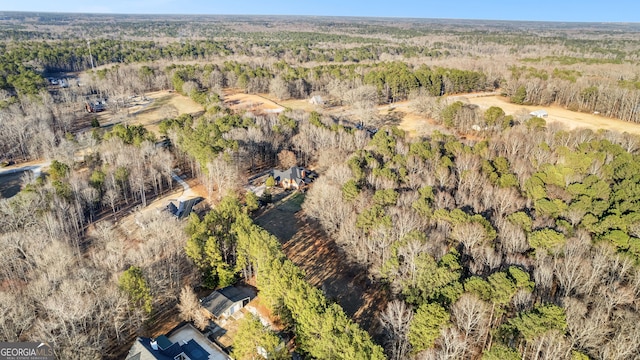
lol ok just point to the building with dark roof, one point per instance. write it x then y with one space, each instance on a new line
225 302
183 209
293 178
182 343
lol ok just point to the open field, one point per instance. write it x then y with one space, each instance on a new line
161 105
302 104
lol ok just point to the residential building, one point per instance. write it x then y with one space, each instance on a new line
182 343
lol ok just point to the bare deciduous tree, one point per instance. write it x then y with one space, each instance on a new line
190 308
396 319
287 159
471 315
279 88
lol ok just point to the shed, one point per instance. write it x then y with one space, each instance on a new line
225 302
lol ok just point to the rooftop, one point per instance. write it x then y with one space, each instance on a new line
185 339
187 333
220 300
296 173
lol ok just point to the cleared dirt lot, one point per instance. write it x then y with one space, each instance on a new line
149 110
571 119
161 105
418 125
258 104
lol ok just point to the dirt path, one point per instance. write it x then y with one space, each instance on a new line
326 266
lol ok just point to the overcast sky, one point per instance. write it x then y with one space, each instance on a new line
545 10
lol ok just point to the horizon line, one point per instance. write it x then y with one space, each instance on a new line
316 16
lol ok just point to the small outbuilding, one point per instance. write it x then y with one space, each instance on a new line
316 100
539 113
225 302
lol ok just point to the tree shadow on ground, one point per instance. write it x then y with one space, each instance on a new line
326 266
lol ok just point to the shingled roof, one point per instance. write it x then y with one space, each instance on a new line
298 174
221 300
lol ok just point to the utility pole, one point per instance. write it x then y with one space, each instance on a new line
90 57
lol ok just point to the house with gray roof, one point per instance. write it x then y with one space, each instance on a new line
183 208
295 177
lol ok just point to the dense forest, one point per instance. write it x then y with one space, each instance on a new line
495 236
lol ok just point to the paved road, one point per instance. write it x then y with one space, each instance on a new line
35 167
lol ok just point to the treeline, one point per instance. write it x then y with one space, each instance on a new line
18 78
70 55
394 81
226 243
73 55
494 248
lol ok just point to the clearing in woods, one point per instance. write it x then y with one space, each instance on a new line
150 109
162 105
570 119
255 103
417 124
326 266
264 103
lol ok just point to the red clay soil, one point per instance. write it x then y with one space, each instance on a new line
264 311
326 266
